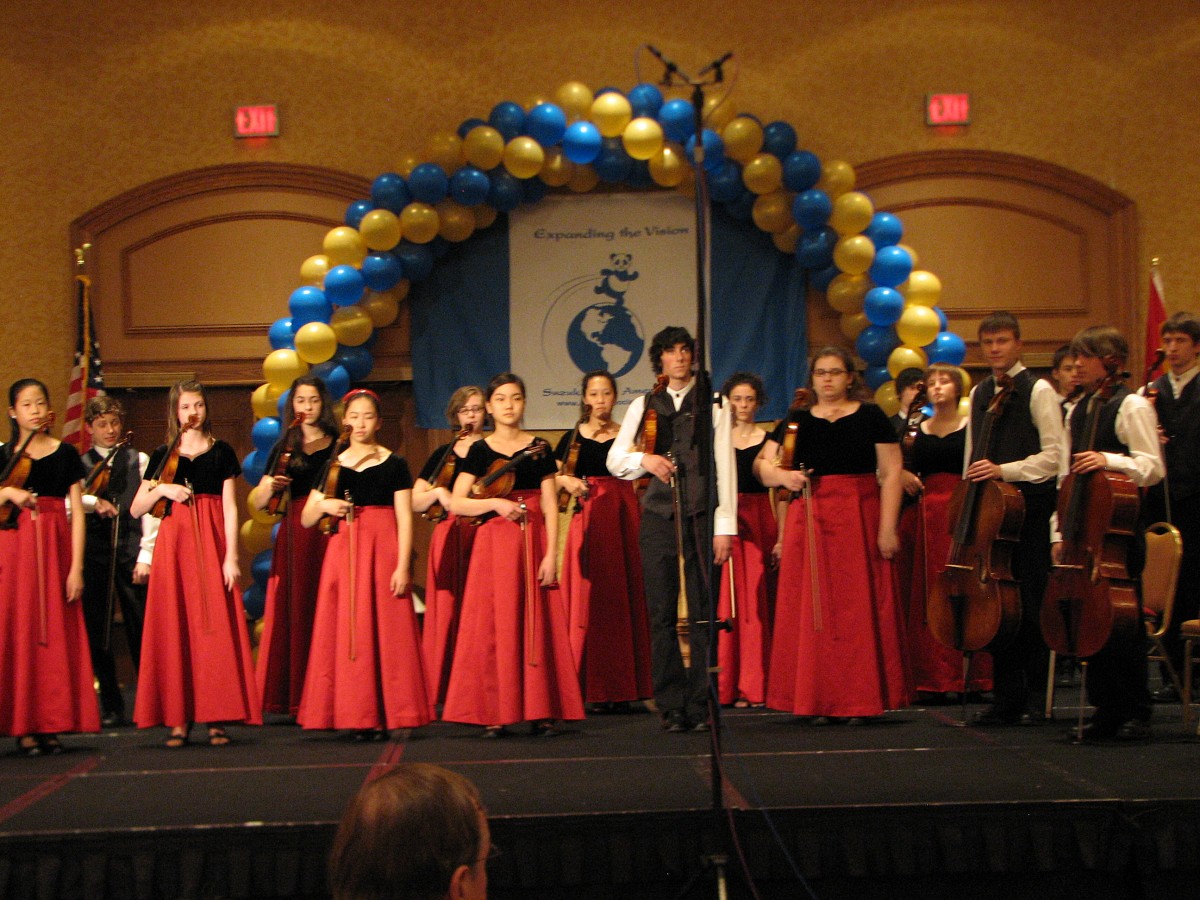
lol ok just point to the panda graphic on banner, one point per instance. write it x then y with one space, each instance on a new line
607 335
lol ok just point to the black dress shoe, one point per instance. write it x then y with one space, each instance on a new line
676 721
1133 730
1095 730
993 716
701 726
1165 694
112 720
1028 719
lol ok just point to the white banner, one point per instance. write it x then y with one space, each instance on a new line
592 279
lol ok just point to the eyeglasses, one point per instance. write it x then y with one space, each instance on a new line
832 373
493 853
470 410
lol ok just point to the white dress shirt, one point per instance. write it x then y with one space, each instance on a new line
1045 407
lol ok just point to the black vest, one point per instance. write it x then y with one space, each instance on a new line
1180 420
1106 426
123 485
1014 436
674 436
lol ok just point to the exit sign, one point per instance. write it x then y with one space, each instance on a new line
256 121
947 109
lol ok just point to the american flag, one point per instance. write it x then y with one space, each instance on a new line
86 371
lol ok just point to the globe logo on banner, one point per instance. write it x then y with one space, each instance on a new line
605 335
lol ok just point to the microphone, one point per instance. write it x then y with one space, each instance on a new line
716 64
671 68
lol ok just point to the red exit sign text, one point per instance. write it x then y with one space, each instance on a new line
948 109
256 121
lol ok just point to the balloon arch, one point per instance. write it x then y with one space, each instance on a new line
849 251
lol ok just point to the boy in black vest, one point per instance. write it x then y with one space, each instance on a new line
1030 446
680 693
1126 441
108 517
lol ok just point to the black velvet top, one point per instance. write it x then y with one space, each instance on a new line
529 472
54 473
376 485
932 454
746 482
206 472
845 446
592 461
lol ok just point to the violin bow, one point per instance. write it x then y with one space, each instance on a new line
43 613
350 537
200 555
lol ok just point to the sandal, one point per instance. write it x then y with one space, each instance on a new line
741 703
174 741
218 738
50 744
29 746
494 731
544 728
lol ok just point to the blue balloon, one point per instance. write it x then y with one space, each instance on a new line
639 174
607 89
469 186
275 530
382 271
283 406
335 376
508 118
891 267
428 183
742 208
875 344
281 335
883 306
714 149
546 124
613 164
254 600
885 230
677 119
357 361
533 190
646 100
822 279
356 210
876 377
582 142
260 566
942 318
253 466
388 191
265 432
801 170
725 183
811 208
779 139
814 249
505 192
467 125
308 304
417 260
344 285
947 348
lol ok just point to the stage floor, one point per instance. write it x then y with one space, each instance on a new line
614 806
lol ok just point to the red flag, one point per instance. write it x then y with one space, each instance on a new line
1156 314
87 376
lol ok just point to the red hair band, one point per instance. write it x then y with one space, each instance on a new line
350 395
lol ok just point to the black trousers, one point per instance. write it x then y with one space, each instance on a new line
97 563
675 688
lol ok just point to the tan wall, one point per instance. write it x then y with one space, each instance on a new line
103 97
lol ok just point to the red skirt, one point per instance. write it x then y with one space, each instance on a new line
291 605
606 605
854 663
925 547
512 661
196 661
45 667
449 553
364 670
743 653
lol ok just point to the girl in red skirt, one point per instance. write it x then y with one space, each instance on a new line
196 661
602 568
512 661
743 653
364 670
296 562
838 638
450 545
45 668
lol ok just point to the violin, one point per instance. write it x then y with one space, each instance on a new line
283 458
445 471
502 475
912 423
16 473
1090 598
169 465
329 478
801 400
648 429
97 479
975 604
564 496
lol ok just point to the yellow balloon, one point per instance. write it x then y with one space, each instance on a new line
382 309
282 367
400 291
265 398
846 292
837 177
668 165
773 212
717 112
911 252
918 325
557 169
380 229
583 179
964 406
536 100
352 325
785 241
314 269
886 399
261 515
852 212
446 149
455 222
256 536
484 215
854 254
763 174
407 163
852 324
611 112
419 222
523 156
316 342
743 138
575 99
643 138
344 246
483 147
905 357
922 288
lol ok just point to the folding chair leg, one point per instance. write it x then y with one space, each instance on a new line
1049 713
